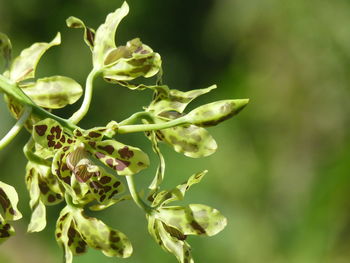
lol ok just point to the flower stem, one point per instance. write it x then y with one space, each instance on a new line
79 114
135 196
136 116
16 128
152 127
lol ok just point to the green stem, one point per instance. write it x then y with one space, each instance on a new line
16 128
136 116
80 114
135 196
10 88
152 127
27 149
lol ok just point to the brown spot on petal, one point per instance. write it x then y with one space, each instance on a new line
110 162
108 148
99 155
40 129
121 165
105 180
125 153
94 134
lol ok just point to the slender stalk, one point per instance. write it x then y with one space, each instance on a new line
16 128
10 88
27 149
80 114
136 116
135 196
152 127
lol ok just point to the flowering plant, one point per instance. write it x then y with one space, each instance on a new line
86 168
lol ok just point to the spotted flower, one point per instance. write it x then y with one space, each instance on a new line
170 225
8 203
77 158
75 232
44 190
122 63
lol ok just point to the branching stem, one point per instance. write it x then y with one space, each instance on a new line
135 196
16 128
152 127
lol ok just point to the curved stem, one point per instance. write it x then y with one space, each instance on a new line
79 114
152 127
27 149
136 116
16 128
135 196
10 88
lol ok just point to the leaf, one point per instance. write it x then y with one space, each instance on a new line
178 193
89 33
8 202
213 113
175 100
124 159
5 52
6 230
131 61
54 92
99 236
105 35
24 66
190 140
194 219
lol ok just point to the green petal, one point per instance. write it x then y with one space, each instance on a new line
178 193
105 35
24 66
109 203
99 236
131 61
89 33
38 218
6 230
62 227
8 202
194 219
175 100
213 113
97 133
161 166
5 52
124 159
190 140
179 248
51 135
54 92
104 186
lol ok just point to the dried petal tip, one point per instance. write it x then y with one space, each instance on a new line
213 113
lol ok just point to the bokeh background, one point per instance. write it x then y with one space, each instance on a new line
281 173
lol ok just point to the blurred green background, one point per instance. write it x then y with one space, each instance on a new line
281 173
